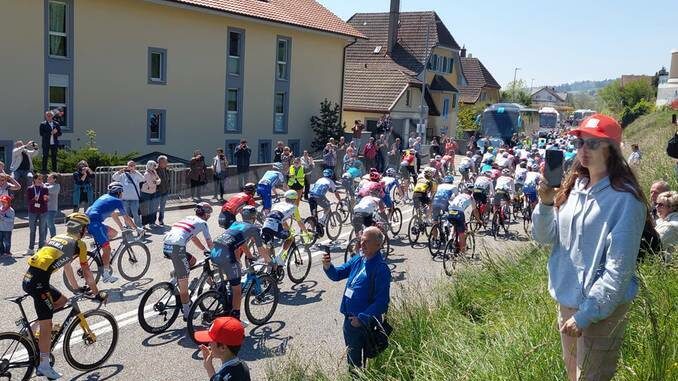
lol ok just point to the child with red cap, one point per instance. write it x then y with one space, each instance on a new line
223 340
6 224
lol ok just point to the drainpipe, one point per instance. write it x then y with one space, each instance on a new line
343 77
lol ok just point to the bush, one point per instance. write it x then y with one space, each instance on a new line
68 159
631 113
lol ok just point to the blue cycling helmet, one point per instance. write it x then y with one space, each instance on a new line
390 172
448 179
328 172
115 188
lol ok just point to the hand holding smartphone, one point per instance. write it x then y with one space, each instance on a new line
553 168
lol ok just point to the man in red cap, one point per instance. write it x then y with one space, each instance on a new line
223 340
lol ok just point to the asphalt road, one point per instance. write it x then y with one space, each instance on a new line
306 324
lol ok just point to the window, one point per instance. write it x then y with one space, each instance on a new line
450 65
408 101
280 113
157 66
229 148
446 108
282 54
58 95
295 147
443 68
234 52
155 127
371 125
483 95
232 110
264 151
58 38
434 62
440 66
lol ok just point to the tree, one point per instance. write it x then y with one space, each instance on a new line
466 117
616 98
517 92
326 125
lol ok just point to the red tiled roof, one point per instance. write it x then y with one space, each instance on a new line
374 87
477 77
303 13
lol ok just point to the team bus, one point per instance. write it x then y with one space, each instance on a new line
505 119
549 118
580 115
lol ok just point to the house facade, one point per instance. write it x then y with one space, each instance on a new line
171 76
667 91
404 53
548 97
478 85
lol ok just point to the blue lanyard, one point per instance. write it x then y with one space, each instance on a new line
355 278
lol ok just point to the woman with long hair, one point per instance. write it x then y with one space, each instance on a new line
594 223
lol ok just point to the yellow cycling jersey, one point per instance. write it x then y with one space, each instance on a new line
424 185
60 250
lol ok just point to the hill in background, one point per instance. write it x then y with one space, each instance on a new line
583 86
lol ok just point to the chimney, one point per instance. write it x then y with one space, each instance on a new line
463 52
393 24
673 71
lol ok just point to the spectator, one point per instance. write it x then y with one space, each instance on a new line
412 139
197 175
308 164
370 153
593 279
434 150
50 131
220 169
242 161
296 177
286 159
2 167
354 149
59 116
417 149
394 153
8 184
329 157
278 151
342 144
357 130
367 293
148 202
382 153
667 221
83 186
53 190
333 143
657 187
22 161
634 157
130 179
163 188
37 197
223 341
451 147
6 224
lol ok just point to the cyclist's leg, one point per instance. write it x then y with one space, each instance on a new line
181 272
102 235
460 228
231 269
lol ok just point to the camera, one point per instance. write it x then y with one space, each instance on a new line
34 145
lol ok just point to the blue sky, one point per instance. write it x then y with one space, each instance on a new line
551 41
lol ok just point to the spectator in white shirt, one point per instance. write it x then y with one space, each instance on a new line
130 179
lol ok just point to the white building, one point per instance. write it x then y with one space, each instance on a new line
668 91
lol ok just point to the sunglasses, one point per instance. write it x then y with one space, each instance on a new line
591 144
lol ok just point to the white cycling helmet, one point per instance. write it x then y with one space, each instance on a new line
277 166
429 171
291 195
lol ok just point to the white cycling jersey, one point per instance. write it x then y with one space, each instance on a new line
532 179
506 184
462 203
521 173
288 210
466 163
368 204
182 231
483 182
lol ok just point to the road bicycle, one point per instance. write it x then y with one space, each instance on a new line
296 260
452 254
527 218
417 226
329 223
260 295
89 339
134 259
438 236
500 218
345 208
161 304
395 221
353 247
517 206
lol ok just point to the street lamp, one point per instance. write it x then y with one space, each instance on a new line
515 72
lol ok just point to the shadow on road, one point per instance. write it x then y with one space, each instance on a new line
106 372
7 260
265 341
301 294
128 291
164 337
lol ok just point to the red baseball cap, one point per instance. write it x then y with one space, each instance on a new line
6 198
224 330
599 126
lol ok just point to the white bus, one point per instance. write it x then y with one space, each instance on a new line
548 118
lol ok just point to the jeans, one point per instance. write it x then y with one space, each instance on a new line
219 179
49 217
132 210
162 202
39 221
196 189
242 177
354 338
5 242
21 177
148 207
77 201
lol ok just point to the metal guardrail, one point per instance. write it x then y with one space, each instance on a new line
177 175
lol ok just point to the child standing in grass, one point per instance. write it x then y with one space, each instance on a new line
53 187
6 224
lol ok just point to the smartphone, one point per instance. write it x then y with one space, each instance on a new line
553 170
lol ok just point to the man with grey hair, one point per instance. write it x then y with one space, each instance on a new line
367 293
659 186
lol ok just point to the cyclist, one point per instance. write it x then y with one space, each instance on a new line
459 211
390 184
347 184
318 193
504 191
521 173
271 180
235 204
445 192
488 157
366 183
276 224
364 211
231 245
466 166
482 189
532 179
477 159
108 205
407 170
174 247
57 253
447 163
424 190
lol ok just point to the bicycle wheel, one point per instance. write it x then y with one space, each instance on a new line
470 244
17 357
261 299
396 220
95 266
85 351
386 247
504 222
450 257
436 244
333 226
351 249
342 210
413 230
159 308
134 261
207 307
312 225
298 264
495 225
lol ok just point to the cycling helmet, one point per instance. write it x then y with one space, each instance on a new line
469 154
490 149
448 179
430 171
506 172
249 188
291 195
203 208
390 172
347 176
76 221
535 167
114 188
438 157
328 172
277 166
248 212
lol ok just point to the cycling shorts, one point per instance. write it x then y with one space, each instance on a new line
439 210
224 258
273 228
387 200
519 188
180 259
36 284
480 195
501 195
530 194
318 201
420 199
464 171
226 219
361 220
264 191
98 231
458 220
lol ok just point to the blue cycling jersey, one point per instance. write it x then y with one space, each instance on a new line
103 207
239 233
272 178
444 193
322 186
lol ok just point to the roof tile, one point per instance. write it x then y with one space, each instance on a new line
477 77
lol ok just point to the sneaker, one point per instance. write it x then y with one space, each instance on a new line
30 252
47 371
108 277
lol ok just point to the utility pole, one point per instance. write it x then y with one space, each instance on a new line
515 72
531 86
423 110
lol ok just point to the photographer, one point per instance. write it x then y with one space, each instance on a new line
83 186
22 161
242 156
219 168
130 179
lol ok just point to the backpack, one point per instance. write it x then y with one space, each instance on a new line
672 146
376 340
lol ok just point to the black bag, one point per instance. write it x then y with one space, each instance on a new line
650 243
377 332
672 146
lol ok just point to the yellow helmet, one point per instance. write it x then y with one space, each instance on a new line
76 220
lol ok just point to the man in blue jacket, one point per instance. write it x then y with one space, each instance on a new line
367 292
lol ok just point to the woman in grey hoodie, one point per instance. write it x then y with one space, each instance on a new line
594 223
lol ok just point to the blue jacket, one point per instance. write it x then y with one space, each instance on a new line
595 237
359 273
